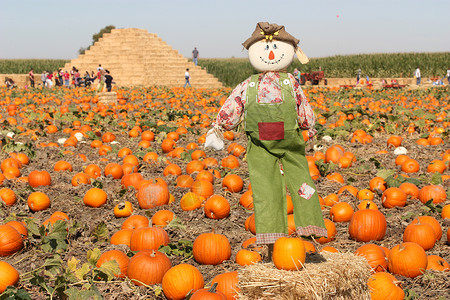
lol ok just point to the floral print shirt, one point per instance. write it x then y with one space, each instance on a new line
269 91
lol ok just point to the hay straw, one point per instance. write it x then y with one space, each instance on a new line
341 276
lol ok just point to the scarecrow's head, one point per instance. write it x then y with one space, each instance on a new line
270 48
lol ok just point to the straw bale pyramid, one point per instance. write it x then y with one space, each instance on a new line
136 57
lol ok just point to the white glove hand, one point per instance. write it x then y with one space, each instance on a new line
213 141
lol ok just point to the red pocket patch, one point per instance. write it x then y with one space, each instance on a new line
271 131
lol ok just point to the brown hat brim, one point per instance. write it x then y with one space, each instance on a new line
269 32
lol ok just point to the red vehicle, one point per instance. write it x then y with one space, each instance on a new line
314 78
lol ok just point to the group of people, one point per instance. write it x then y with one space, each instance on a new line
73 78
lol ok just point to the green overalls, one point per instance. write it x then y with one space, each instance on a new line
274 137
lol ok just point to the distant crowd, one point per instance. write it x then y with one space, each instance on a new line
73 79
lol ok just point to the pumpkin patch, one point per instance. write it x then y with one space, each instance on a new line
126 193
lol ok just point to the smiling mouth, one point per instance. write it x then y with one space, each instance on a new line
272 62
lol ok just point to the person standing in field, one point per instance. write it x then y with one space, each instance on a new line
448 75
44 79
66 79
101 80
108 81
358 76
187 76
195 55
49 81
417 75
31 77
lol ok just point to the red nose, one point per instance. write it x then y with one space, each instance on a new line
271 55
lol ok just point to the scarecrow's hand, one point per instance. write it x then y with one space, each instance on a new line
213 141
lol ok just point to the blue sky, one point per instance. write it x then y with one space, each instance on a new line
57 29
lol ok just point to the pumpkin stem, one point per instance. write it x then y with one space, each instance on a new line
368 205
213 287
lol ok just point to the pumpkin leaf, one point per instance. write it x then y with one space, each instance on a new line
412 180
384 173
101 232
12 293
393 182
83 271
376 162
436 178
107 270
432 207
93 256
72 264
76 294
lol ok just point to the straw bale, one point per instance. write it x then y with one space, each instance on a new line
335 276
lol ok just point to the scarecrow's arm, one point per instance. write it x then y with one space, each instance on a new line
306 118
231 111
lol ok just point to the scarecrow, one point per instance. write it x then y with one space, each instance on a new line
274 110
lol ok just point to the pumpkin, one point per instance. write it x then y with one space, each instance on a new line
410 189
38 201
194 166
131 179
113 169
39 178
202 188
233 183
337 177
341 212
181 280
147 135
162 218
211 249
153 193
246 200
198 154
445 213
394 141
420 233
230 162
190 201
21 228
227 284
289 253
365 194
410 166
10 240
172 169
93 171
437 263
8 276
432 192
8 196
63 166
185 181
95 197
331 232
211 293
330 200
250 224
136 221
117 256
329 249
432 222
122 237
384 286
205 175
436 166
333 154
367 204
367 225
148 238
123 209
148 267
251 244
246 257
377 183
81 178
374 255
407 259
217 207
392 197
167 145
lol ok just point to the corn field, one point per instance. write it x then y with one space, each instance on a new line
232 71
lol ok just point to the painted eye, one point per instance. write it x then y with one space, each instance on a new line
275 46
266 48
